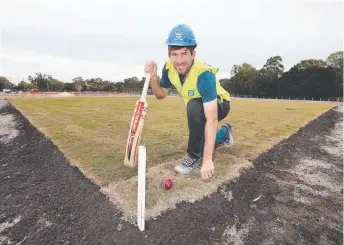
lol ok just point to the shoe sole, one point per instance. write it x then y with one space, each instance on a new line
231 143
177 169
182 171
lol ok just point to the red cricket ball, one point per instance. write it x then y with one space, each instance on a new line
166 184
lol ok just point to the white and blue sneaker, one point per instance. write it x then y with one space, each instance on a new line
188 164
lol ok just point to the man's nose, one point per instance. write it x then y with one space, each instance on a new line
179 60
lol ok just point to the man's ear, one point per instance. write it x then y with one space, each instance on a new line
193 53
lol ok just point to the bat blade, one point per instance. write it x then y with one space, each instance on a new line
136 128
135 133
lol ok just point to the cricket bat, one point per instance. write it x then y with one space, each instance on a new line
136 127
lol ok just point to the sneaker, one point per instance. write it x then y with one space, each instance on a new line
188 164
228 140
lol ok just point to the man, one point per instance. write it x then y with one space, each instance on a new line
206 101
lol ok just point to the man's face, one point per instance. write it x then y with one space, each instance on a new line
182 60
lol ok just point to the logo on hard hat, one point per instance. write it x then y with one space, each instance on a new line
178 34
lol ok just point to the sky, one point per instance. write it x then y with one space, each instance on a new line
114 39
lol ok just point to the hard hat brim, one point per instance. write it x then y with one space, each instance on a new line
180 44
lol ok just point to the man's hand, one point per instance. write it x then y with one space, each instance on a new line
207 169
158 91
151 68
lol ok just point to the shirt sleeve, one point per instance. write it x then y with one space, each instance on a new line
206 86
165 81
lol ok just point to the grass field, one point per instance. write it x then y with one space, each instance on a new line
92 133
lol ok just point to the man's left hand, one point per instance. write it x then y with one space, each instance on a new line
207 169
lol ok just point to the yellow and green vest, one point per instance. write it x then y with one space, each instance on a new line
190 83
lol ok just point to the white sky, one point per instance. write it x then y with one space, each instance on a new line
113 39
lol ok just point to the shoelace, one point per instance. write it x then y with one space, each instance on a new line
188 162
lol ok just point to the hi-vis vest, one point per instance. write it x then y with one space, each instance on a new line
189 89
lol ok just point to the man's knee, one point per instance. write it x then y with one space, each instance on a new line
223 109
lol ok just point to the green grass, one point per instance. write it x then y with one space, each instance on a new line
92 133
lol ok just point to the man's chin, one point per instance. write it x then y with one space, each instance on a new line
181 72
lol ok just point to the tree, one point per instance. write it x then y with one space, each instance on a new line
78 83
310 82
4 82
55 84
41 81
24 86
94 84
119 87
265 82
241 80
335 60
68 86
310 63
235 69
108 86
132 83
273 68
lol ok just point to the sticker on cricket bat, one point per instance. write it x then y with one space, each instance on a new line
135 132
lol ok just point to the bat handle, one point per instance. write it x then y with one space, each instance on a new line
145 87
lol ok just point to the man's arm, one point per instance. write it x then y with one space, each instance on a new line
210 112
160 88
207 88
159 91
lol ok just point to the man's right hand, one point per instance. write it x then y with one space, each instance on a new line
158 91
151 68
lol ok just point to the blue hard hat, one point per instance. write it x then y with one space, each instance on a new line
181 35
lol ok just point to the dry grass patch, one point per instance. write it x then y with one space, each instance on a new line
185 188
92 133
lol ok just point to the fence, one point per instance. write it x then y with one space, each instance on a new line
335 99
172 92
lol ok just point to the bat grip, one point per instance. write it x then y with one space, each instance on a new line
145 87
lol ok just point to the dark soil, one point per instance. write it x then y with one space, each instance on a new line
45 200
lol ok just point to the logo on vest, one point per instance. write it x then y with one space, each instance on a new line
178 34
191 92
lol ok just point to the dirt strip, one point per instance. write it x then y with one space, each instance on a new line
293 195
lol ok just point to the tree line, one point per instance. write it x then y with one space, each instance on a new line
311 78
